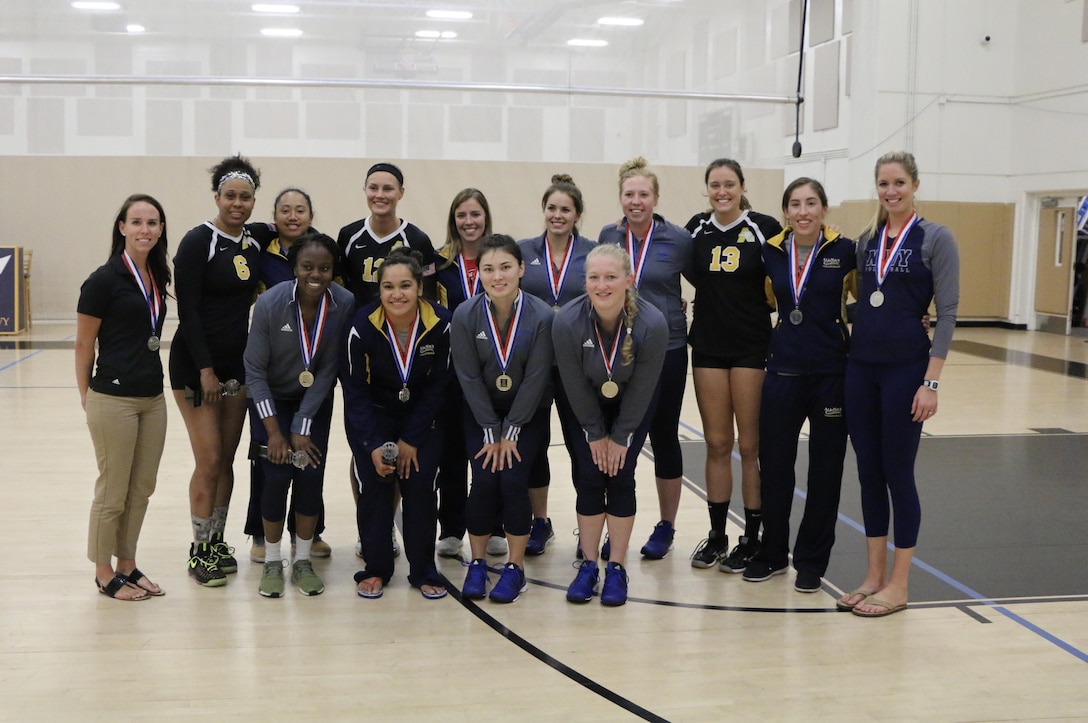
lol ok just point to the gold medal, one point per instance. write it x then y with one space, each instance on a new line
306 378
503 382
609 390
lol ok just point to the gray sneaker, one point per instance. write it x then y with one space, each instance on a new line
272 580
303 575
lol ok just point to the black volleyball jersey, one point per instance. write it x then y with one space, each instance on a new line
364 252
215 279
731 316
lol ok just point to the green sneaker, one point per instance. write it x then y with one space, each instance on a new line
226 562
303 575
203 567
272 580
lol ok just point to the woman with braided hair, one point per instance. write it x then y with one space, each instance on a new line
610 347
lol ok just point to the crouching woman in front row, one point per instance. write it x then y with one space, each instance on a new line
610 347
394 371
502 351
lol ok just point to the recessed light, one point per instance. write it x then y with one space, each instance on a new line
87 5
281 32
587 43
134 28
449 14
428 34
623 22
280 9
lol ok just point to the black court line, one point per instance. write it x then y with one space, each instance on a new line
1065 367
557 665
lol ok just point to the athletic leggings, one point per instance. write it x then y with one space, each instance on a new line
598 493
504 495
664 426
885 439
307 483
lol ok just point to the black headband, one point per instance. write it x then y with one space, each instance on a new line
388 168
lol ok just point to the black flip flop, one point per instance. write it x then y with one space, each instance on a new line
134 577
110 589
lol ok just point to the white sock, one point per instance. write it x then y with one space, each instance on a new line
302 548
272 552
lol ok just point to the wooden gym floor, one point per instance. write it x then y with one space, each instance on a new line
997 629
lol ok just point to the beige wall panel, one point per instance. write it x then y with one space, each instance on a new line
984 237
71 239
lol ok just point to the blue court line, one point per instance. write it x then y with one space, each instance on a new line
9 365
950 581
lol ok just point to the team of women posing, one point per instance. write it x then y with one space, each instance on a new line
450 362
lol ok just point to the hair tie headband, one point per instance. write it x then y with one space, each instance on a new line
235 174
388 168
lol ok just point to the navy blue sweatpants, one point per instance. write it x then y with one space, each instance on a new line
787 401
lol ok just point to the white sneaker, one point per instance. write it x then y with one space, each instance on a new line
449 547
497 546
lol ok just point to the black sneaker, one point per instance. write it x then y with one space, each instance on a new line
203 566
710 551
758 571
807 581
225 553
738 558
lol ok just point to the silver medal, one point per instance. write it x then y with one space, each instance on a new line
404 395
876 299
796 317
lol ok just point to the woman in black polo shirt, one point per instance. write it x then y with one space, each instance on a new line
122 306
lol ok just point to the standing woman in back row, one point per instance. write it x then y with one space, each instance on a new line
555 272
216 279
122 306
904 263
730 332
660 251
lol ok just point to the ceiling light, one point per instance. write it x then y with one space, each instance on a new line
448 35
587 43
449 14
86 5
281 32
134 28
281 9
624 22
428 34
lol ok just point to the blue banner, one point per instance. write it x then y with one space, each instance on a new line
12 313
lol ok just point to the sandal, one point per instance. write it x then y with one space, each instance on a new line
438 592
847 607
134 578
119 582
369 593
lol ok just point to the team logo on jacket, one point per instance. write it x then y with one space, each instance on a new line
832 263
286 327
535 262
426 350
588 344
482 335
832 412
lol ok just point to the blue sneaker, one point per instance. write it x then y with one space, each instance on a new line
585 582
614 592
660 541
540 536
510 585
475 587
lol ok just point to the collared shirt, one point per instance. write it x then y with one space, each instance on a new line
125 366
536 280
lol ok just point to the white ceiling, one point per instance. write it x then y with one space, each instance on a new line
358 23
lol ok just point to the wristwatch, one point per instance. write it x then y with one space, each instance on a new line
930 384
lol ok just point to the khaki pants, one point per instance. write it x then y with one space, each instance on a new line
128 434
